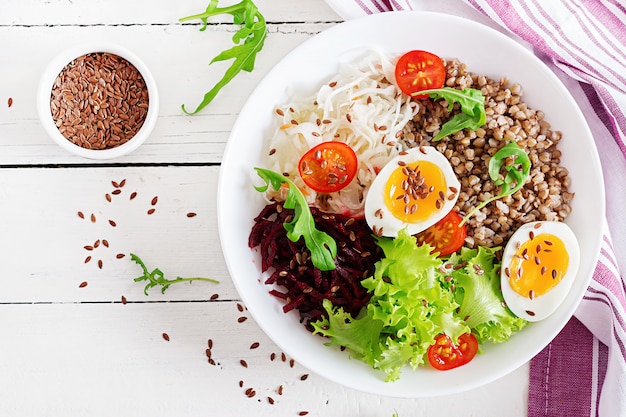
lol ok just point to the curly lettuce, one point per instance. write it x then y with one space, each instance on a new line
416 297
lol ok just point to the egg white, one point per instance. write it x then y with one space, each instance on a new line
542 306
378 216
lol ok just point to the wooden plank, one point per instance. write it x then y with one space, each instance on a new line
46 255
111 359
177 137
161 12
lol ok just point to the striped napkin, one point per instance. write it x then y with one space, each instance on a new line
583 371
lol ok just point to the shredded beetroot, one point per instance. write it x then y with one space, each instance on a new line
305 287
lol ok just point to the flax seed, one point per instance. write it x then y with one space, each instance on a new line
155 199
102 123
120 255
243 363
242 319
133 195
254 345
112 223
166 337
100 263
93 218
191 214
123 300
151 211
10 102
82 284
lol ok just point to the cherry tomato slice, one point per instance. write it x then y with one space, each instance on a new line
328 167
444 354
446 236
419 70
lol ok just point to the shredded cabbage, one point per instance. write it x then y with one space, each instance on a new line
360 106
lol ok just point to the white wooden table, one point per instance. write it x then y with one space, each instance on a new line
72 350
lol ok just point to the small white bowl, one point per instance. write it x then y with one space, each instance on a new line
57 65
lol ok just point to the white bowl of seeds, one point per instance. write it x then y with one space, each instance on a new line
98 101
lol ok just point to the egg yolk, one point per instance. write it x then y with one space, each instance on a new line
414 192
538 265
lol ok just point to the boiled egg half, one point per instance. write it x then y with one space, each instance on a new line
414 190
539 265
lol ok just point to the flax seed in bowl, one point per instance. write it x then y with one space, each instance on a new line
98 101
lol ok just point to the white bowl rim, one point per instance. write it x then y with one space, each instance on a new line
56 65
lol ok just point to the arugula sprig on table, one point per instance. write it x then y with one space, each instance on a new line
516 173
156 277
472 114
248 40
323 247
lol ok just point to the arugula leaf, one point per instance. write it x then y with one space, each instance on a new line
248 40
156 277
472 114
323 247
516 173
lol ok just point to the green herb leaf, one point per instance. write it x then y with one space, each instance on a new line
248 40
323 248
472 114
156 277
516 173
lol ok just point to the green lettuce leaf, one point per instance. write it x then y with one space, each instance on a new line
480 298
408 309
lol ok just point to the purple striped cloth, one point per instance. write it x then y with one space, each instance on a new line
583 371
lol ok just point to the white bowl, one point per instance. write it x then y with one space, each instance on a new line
311 65
55 67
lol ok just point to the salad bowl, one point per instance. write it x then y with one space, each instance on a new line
302 72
